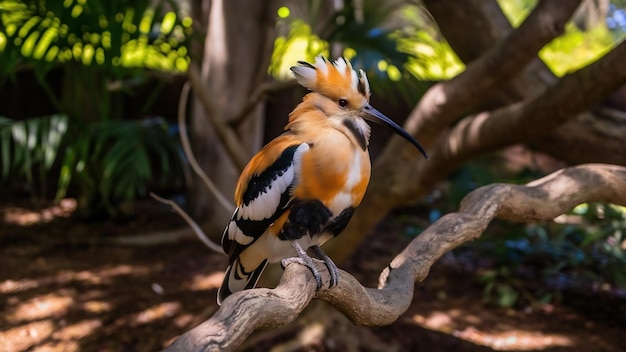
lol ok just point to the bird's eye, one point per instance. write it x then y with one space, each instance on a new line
342 103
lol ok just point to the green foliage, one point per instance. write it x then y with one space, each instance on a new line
300 44
110 34
516 11
572 50
103 47
367 35
430 57
110 161
576 48
582 249
28 149
365 30
115 161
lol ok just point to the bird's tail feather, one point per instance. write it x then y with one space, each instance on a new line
237 279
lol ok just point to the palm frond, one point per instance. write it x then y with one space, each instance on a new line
114 35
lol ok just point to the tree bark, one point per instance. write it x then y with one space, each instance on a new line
593 135
596 135
525 121
543 199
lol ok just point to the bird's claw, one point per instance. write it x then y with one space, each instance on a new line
305 260
330 265
308 263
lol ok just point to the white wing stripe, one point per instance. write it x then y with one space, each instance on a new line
297 161
235 234
267 202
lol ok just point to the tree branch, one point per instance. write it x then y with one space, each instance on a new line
448 100
543 199
227 136
184 139
522 122
395 168
194 226
477 25
593 136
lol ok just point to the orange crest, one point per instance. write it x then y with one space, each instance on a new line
332 79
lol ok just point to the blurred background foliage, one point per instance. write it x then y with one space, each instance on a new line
101 48
112 35
88 147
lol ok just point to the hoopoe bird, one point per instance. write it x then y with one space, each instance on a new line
302 188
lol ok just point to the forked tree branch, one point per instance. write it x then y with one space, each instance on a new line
543 199
395 168
447 101
522 122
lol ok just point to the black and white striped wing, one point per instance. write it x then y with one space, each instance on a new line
264 200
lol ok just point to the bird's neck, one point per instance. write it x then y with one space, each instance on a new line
311 118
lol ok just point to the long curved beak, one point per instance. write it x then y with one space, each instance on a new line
377 117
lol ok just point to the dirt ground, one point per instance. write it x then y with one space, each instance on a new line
60 293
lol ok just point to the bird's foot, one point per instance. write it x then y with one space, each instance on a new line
330 265
306 261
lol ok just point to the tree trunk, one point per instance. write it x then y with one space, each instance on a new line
237 47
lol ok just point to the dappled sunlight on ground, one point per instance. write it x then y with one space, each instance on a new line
50 305
62 294
25 336
95 276
499 337
159 311
206 282
108 307
27 217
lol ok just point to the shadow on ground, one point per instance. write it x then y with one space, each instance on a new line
57 293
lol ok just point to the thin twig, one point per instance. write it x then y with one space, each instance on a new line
257 96
184 139
194 226
226 135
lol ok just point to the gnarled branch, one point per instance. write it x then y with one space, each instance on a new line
525 121
246 311
397 174
446 101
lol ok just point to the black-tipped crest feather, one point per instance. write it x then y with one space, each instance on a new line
306 64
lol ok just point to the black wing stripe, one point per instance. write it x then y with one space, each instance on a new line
254 228
259 184
264 201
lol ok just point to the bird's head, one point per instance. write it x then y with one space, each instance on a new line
343 95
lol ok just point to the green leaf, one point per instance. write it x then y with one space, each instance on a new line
68 166
507 295
5 138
